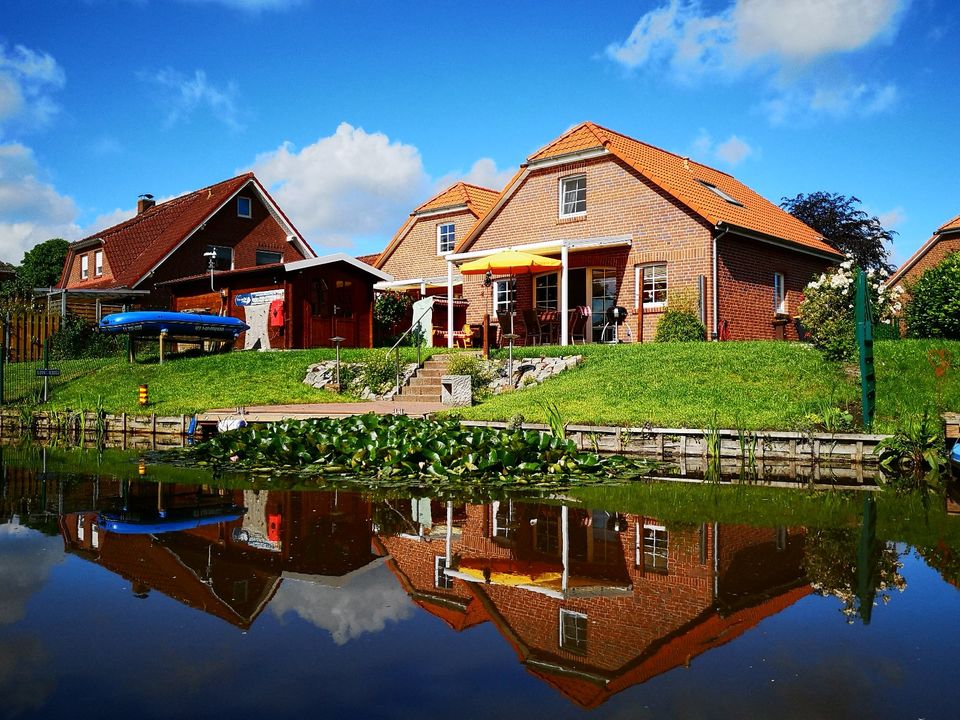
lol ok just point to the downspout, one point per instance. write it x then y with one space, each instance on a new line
715 283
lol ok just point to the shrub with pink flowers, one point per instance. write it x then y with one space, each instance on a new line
827 310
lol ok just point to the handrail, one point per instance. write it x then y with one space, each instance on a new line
396 345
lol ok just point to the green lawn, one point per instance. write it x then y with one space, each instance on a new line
755 385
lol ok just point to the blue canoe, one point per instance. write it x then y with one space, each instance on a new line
156 523
175 324
955 455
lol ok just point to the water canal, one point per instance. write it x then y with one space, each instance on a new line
647 600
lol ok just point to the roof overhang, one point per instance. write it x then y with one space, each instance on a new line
897 276
104 293
336 257
578 156
415 283
549 246
459 207
774 240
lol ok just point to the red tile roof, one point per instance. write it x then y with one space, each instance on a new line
951 225
369 259
948 227
689 182
136 246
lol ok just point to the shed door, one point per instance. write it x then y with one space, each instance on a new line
332 312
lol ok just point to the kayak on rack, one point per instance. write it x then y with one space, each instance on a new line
174 324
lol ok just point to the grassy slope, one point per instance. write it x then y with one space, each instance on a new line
750 385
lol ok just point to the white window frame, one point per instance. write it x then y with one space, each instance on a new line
639 281
562 195
720 193
564 613
249 201
536 300
85 266
440 579
452 237
97 263
506 288
272 252
779 294
640 547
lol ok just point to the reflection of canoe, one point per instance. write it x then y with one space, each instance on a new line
175 324
164 521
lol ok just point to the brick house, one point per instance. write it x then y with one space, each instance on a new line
236 219
415 256
945 240
633 226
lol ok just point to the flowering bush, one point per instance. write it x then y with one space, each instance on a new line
827 311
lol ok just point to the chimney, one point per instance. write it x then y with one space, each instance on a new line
145 202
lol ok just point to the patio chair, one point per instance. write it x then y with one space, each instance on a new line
504 320
537 334
577 326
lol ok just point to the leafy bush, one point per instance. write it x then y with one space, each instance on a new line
934 307
378 372
390 309
480 374
827 310
77 339
680 326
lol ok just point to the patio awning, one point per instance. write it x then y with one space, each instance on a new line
419 283
549 246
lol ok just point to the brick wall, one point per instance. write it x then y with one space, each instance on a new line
746 269
938 250
619 202
74 274
416 254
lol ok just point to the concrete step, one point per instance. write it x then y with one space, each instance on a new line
417 394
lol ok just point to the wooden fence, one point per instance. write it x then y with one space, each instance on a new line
27 333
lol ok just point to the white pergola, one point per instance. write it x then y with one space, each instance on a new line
548 247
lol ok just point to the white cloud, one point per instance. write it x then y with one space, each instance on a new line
483 172
346 185
26 79
364 605
779 40
26 559
732 151
183 96
31 210
892 218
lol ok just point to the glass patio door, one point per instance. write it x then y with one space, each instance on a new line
603 295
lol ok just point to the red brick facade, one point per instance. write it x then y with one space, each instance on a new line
416 255
930 254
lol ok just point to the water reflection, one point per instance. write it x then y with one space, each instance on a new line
591 601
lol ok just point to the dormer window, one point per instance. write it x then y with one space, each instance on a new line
573 196
720 193
446 238
97 263
84 266
244 207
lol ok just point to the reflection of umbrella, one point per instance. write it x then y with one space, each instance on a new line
509 262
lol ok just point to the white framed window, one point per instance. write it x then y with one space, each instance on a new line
573 196
440 578
244 207
602 296
446 238
503 519
652 280
504 296
573 631
652 547
98 263
84 266
779 294
720 193
224 257
268 257
546 291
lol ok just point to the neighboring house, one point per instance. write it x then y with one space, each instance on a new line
236 220
415 256
945 240
639 227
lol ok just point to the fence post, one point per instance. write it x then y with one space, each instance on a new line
3 354
46 366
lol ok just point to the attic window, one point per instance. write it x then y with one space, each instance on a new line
573 196
268 257
98 263
717 191
244 207
84 267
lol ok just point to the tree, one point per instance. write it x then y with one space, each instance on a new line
934 307
41 266
845 226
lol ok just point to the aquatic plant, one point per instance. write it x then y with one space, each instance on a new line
915 452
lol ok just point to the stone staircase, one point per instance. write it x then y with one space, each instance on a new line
424 386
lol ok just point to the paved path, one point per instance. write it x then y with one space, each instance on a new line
269 413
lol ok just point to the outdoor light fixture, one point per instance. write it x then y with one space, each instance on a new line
487 279
212 264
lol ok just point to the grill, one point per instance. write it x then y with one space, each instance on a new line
616 316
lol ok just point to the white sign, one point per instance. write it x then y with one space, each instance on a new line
262 297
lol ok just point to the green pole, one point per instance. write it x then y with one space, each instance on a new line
868 380
3 354
46 366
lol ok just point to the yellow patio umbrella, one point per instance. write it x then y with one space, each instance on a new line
509 262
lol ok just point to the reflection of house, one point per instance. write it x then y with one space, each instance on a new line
236 220
640 227
300 304
594 602
945 240
231 569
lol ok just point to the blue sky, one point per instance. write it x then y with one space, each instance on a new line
355 112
